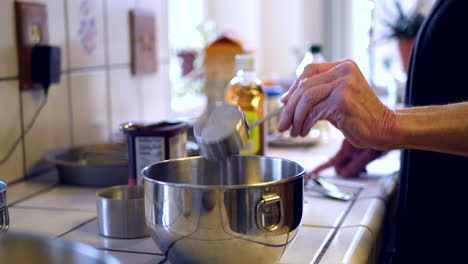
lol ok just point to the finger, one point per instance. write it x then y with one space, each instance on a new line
309 71
339 167
315 89
315 114
321 111
334 73
340 157
323 166
358 164
287 114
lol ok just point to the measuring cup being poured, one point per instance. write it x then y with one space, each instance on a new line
224 131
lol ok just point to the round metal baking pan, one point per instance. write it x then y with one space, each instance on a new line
98 165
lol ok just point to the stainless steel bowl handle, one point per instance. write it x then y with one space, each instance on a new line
270 213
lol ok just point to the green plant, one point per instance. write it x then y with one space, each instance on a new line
404 25
387 63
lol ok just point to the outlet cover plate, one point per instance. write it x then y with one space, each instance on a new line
31 29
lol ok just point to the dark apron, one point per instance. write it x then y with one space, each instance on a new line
433 189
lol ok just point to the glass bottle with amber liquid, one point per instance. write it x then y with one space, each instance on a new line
245 90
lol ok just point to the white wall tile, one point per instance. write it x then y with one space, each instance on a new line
306 246
125 97
351 245
90 113
118 30
86 33
156 90
8 53
10 120
52 127
161 11
56 23
90 107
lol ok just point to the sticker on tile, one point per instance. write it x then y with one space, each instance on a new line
143 38
87 30
86 33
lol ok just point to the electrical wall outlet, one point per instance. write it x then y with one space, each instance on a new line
31 29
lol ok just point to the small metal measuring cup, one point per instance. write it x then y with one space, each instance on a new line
121 212
224 131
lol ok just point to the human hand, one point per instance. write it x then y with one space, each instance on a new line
339 93
349 161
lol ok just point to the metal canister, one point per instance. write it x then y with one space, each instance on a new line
121 212
151 143
4 217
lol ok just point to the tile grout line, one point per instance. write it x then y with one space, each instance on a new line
105 15
33 195
9 78
30 207
11 183
22 134
317 226
130 251
70 71
335 230
364 226
382 199
76 227
374 239
69 88
97 68
138 79
21 121
140 94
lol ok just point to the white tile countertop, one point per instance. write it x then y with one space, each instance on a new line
332 231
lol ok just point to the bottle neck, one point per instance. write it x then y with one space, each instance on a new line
246 74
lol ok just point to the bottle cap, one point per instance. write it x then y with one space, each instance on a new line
244 62
315 48
272 91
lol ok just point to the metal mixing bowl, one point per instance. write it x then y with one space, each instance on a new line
39 249
247 209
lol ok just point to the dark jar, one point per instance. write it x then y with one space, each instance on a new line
151 143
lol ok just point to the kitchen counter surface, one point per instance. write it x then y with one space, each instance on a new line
332 231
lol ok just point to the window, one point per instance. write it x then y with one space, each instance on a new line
389 74
185 40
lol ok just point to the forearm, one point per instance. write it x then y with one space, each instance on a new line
435 128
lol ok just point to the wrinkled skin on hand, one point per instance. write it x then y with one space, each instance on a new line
339 93
349 161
